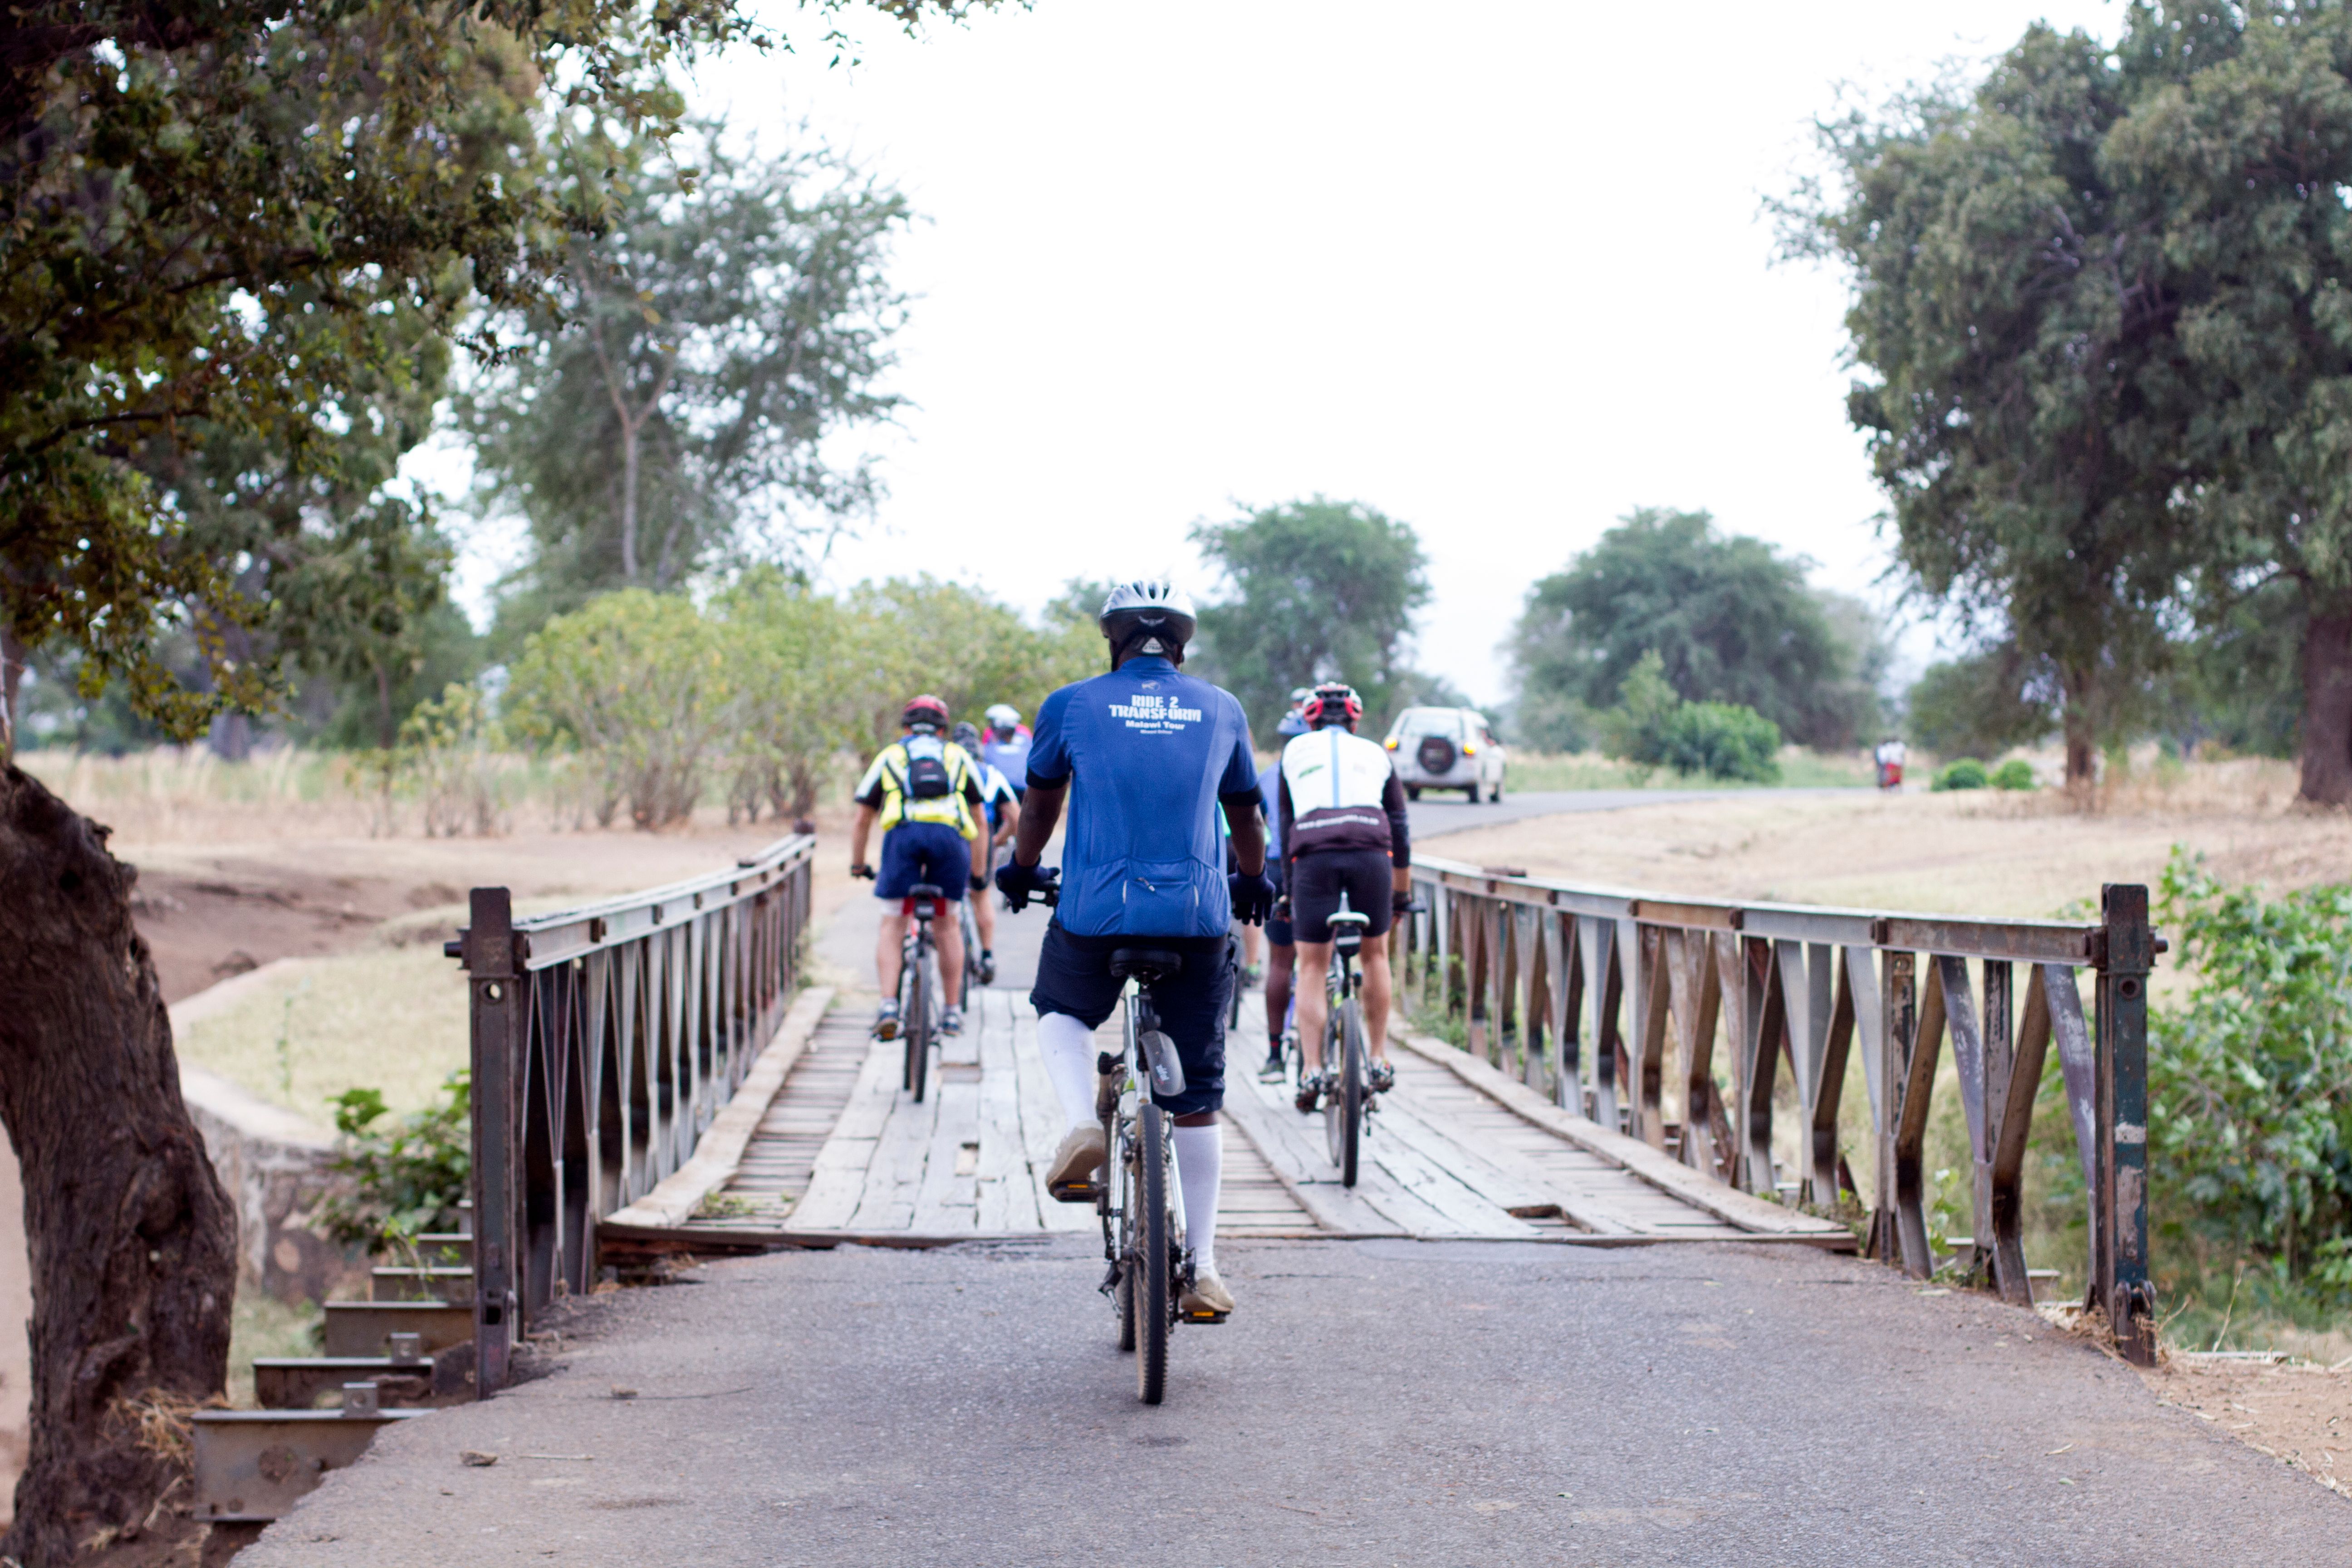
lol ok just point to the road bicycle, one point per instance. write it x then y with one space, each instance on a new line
1140 1206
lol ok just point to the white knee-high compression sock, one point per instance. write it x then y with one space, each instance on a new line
1068 1048
1200 1165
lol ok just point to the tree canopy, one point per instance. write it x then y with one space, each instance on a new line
1323 590
674 400
1730 618
2099 303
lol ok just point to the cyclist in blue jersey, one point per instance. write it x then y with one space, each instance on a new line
1005 747
1144 756
1001 807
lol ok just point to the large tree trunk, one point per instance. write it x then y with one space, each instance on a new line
2328 709
134 1242
12 680
2082 743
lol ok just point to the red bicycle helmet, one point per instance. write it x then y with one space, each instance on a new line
1333 703
925 710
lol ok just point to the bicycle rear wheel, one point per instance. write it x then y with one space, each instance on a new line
1343 1101
920 1027
1152 1266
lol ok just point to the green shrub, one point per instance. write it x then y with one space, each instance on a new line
1965 773
1723 741
2250 1084
2016 774
407 1180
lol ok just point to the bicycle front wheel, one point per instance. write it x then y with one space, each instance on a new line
1153 1273
1343 1102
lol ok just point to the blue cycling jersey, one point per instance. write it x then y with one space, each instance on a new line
1147 751
1010 758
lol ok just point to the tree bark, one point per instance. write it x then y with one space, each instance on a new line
133 1241
12 680
2082 745
2327 710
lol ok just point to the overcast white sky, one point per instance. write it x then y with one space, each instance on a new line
1498 270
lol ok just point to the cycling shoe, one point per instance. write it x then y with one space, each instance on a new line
1383 1077
886 1021
1311 1090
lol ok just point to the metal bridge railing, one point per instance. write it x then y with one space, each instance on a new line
605 1040
1594 997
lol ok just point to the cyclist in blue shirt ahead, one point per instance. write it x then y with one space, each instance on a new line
1145 756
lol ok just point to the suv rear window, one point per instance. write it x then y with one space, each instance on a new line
1418 721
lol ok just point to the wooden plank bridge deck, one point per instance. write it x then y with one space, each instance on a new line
843 1153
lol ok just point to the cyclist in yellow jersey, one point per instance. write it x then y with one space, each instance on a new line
925 791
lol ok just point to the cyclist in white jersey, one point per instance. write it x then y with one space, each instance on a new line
1343 829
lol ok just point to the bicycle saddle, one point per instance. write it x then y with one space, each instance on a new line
923 891
1347 918
1149 964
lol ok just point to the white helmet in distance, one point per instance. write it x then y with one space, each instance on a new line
1155 618
1002 715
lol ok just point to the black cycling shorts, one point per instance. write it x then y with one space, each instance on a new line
1074 976
1316 879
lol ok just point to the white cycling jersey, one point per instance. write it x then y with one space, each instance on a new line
1343 794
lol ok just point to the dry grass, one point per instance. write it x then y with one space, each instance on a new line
392 1019
1979 852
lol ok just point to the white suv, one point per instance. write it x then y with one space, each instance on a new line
1446 748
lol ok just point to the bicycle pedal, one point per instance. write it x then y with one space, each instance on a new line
1206 1316
1073 1192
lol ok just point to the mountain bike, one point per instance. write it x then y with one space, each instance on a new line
1151 1265
919 1012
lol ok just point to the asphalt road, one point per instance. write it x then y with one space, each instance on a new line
1434 815
1369 1402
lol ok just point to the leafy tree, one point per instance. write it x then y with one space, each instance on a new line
710 343
803 665
2026 397
923 635
1722 740
217 219
2237 153
1729 618
1982 704
641 684
1325 590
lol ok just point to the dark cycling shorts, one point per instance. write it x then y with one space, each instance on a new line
929 852
1074 976
1317 882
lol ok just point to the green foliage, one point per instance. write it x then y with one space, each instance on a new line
2250 1083
673 406
763 692
1986 703
1634 730
1730 618
1651 727
406 1179
1326 590
1722 740
1962 773
451 755
2015 774
2100 299
639 683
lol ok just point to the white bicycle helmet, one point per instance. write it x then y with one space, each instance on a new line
1002 716
1156 617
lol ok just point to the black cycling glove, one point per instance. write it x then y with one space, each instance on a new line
1400 903
1021 883
1253 895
